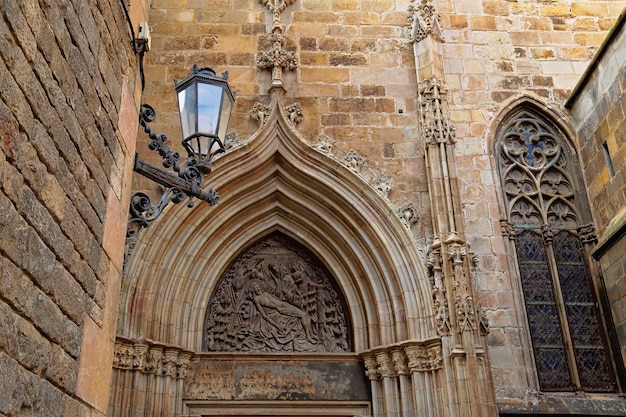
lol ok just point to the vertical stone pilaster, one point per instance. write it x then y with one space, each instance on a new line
402 371
459 319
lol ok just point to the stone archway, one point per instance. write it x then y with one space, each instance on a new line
276 183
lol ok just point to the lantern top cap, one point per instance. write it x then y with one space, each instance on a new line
206 75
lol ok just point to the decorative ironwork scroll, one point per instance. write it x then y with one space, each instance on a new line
276 298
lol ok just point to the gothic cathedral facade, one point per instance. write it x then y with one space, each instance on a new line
421 212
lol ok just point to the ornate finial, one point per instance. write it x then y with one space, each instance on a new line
425 21
277 58
276 7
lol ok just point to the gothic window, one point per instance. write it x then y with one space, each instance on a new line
546 213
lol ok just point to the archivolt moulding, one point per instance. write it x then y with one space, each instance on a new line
275 182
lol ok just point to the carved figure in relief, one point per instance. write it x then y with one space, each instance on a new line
275 299
263 299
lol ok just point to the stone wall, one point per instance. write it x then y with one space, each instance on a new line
355 79
597 107
68 122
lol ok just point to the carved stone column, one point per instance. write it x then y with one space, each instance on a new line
371 370
390 388
425 363
402 370
147 379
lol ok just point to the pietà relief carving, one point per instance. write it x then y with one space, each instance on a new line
276 298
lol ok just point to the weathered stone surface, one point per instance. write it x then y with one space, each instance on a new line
62 64
220 378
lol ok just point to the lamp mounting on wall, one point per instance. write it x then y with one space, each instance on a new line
205 101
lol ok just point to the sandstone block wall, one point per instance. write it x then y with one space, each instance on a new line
598 109
67 94
355 78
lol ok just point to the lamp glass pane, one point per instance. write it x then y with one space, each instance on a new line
187 107
209 100
227 105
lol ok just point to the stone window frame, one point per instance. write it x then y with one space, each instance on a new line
579 225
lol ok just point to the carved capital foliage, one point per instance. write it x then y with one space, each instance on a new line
385 365
424 358
403 359
425 21
436 128
400 363
371 367
588 234
151 358
507 229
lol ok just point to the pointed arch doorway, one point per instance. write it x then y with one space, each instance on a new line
277 340
276 183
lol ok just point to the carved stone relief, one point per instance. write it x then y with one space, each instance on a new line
354 161
276 298
324 144
383 185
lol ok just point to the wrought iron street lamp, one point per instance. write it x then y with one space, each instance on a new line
205 101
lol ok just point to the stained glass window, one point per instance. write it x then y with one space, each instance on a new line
538 175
